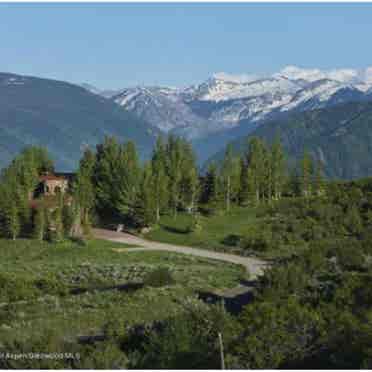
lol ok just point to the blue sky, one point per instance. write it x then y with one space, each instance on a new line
117 45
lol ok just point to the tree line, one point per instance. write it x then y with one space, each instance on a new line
260 174
113 185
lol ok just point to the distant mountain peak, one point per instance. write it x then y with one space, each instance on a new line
342 75
239 79
225 100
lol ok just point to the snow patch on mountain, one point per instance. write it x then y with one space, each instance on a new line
161 107
320 91
224 100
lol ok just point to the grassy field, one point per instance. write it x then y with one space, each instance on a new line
215 229
73 289
243 231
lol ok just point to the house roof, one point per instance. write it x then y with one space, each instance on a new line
51 177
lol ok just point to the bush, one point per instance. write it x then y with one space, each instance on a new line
188 340
258 243
52 286
350 259
232 240
159 277
16 288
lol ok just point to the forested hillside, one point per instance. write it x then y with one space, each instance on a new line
340 137
63 117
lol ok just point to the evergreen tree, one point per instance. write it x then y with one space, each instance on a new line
244 183
40 223
267 178
306 175
256 164
40 158
116 178
210 190
160 177
294 182
12 220
174 170
227 174
106 176
278 169
11 202
353 221
319 184
58 219
189 183
84 189
68 218
145 211
76 230
130 175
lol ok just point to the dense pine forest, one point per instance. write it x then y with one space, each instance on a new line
311 309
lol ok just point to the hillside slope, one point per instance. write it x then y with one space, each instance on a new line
340 136
63 117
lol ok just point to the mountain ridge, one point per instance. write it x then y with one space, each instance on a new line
339 136
62 116
226 104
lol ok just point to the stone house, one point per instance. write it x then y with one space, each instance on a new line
50 184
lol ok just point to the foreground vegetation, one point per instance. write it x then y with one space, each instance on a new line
62 292
312 309
52 294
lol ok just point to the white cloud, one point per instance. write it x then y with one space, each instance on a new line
244 78
343 75
294 72
368 75
346 75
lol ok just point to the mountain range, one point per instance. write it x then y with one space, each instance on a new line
223 101
225 108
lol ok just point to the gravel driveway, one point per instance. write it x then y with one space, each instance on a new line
254 266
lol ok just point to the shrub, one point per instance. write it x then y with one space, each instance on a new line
50 285
188 340
350 259
258 243
16 288
159 277
232 240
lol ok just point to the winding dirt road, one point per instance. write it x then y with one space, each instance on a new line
254 266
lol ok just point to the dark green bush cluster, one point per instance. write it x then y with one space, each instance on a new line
51 285
256 243
17 288
159 277
188 340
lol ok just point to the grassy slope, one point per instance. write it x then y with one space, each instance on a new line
215 229
97 266
219 231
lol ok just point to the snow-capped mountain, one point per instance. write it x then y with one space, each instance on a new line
224 101
161 107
